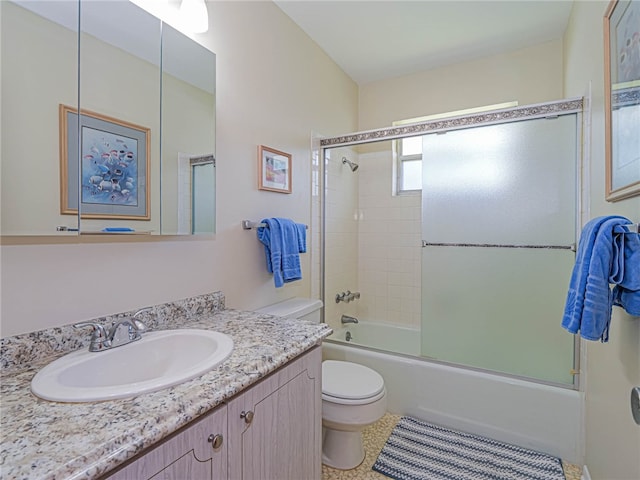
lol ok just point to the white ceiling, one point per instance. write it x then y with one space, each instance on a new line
376 39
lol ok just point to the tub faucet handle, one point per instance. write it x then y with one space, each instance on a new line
352 296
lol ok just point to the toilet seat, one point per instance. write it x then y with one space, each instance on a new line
349 383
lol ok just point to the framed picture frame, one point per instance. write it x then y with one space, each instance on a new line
105 164
622 99
274 170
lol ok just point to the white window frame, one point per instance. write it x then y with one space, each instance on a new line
401 159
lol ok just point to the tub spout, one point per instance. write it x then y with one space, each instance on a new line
347 319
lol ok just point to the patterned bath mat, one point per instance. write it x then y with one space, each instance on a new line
417 450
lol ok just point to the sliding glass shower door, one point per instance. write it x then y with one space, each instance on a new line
499 206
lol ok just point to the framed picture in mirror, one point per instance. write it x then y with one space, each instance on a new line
622 99
104 165
274 170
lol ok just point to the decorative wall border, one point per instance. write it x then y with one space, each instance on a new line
525 112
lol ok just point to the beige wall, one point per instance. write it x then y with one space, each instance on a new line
612 439
275 87
530 75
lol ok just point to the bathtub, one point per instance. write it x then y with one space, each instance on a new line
532 415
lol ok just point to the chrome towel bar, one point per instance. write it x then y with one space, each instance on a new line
248 225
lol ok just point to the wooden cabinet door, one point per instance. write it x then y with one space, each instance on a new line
275 427
186 455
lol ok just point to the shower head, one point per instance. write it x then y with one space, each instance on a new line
352 165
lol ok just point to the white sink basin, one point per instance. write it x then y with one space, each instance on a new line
158 360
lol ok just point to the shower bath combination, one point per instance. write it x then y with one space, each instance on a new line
469 172
354 166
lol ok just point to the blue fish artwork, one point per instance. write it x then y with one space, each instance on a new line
105 170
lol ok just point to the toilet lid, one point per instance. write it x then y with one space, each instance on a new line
350 380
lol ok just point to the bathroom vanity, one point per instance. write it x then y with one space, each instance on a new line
256 415
270 431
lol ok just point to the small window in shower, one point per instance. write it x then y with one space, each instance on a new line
409 164
409 150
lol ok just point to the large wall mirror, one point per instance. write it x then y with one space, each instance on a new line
108 122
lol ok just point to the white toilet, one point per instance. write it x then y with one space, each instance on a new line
353 396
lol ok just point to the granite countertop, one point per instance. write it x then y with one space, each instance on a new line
51 440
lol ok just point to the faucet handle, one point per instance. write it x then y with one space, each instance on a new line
138 324
98 330
99 339
141 311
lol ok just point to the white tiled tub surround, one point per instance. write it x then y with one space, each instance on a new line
341 233
389 251
372 240
47 440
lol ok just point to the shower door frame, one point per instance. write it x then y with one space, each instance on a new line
572 106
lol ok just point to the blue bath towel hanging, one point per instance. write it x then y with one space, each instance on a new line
607 254
283 241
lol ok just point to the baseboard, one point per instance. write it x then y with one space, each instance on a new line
585 473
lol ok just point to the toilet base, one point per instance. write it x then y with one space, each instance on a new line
342 450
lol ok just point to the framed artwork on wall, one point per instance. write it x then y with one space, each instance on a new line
622 99
274 170
105 165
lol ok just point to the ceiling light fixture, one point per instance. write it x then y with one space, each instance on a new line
190 17
195 16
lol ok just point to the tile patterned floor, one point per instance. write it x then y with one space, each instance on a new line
374 438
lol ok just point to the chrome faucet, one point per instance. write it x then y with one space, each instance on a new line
347 296
347 319
125 330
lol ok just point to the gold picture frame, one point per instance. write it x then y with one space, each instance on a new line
622 99
274 170
105 165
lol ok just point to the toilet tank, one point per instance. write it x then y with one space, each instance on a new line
302 308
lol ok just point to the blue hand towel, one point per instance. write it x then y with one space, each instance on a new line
589 300
626 270
283 241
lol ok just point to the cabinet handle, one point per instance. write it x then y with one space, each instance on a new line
248 416
215 441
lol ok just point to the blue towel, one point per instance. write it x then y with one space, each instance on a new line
589 300
626 270
283 241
